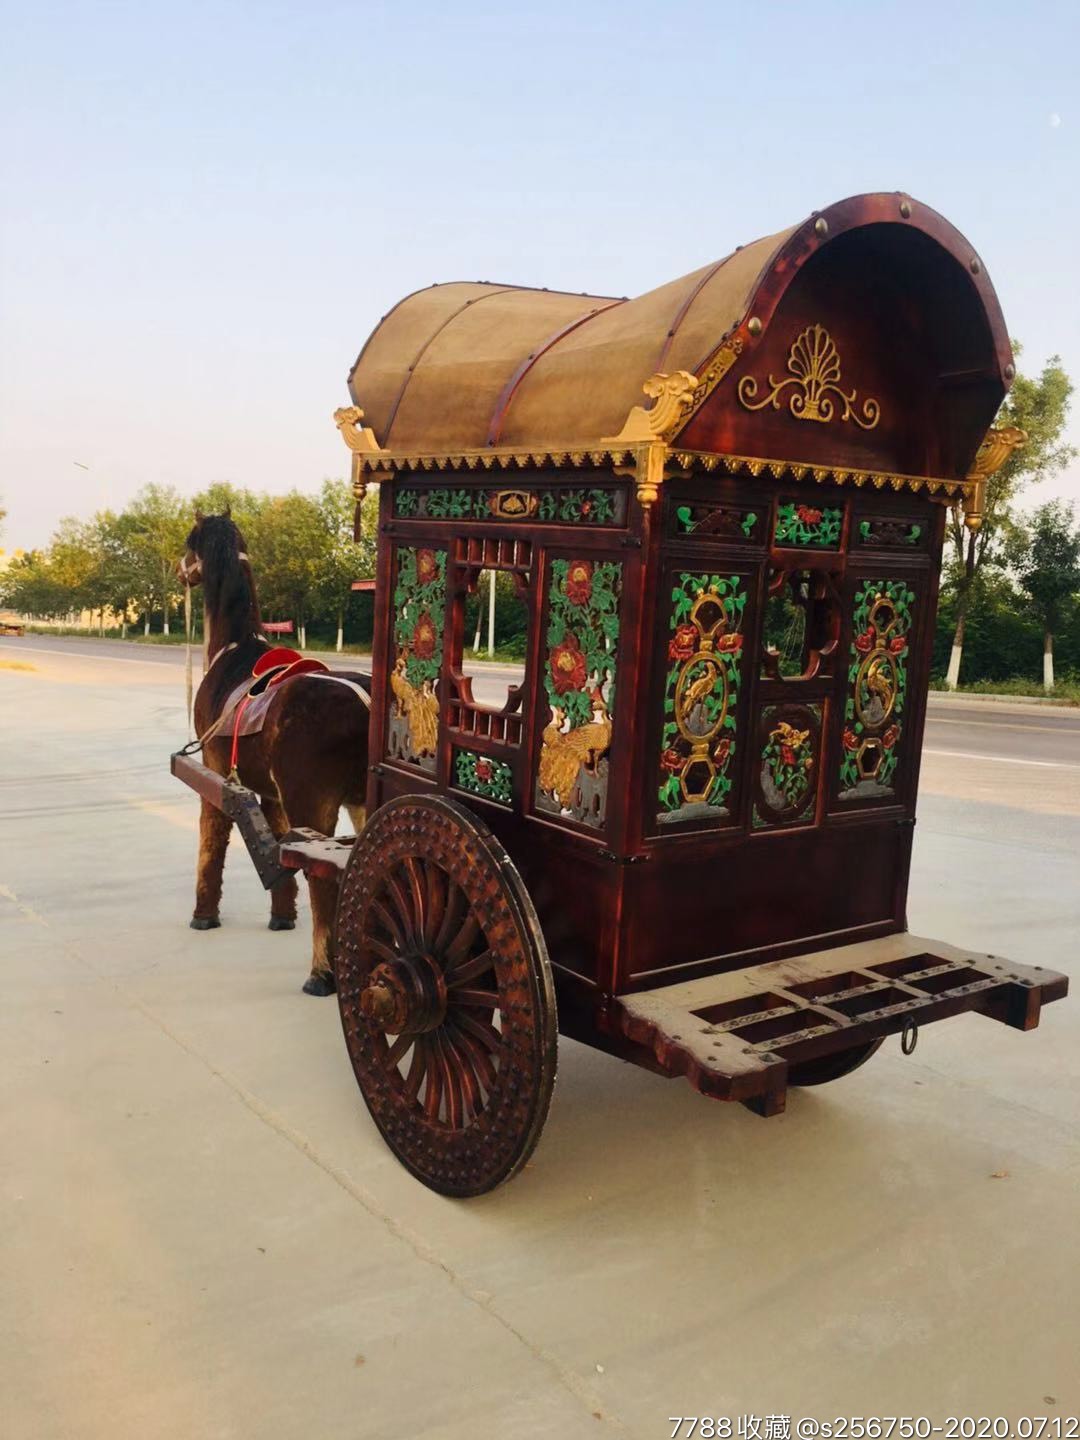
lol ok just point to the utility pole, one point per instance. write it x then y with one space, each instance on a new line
491 615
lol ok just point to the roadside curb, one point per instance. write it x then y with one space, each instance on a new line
963 697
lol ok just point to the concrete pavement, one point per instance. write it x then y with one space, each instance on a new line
203 1236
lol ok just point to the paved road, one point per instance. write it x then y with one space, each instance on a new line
204 1236
1035 734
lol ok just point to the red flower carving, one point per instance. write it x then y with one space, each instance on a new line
671 761
808 515
426 566
898 644
579 582
567 666
864 643
683 643
851 740
423 640
892 734
729 643
483 770
787 754
722 751
586 507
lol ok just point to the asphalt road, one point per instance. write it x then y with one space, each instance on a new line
1036 735
204 1236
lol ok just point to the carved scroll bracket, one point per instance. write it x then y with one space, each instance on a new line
361 442
998 444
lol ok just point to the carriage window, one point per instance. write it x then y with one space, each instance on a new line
801 624
484 701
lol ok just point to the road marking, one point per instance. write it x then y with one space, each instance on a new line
1002 759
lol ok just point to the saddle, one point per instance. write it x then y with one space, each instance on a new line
247 706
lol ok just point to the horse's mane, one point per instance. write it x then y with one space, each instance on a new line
231 601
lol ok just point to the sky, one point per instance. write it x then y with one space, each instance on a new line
206 208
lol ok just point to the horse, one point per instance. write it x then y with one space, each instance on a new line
308 760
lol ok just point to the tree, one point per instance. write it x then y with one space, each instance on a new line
156 525
30 587
1049 571
290 540
344 560
1040 407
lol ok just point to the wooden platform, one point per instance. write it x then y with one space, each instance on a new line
735 1036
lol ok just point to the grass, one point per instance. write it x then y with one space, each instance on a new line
1065 692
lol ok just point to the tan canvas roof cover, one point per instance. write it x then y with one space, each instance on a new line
467 365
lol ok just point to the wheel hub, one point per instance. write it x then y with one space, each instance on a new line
406 996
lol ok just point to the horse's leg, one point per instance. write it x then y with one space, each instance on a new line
312 811
358 815
283 894
214 827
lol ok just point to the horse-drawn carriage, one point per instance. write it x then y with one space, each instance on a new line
690 824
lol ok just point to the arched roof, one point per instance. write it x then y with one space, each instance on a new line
463 366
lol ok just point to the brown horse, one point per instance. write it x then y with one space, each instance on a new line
308 760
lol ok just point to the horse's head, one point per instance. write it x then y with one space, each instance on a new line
213 538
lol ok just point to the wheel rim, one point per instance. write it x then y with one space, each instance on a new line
445 993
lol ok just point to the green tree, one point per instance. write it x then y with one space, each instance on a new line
30 587
1048 568
155 526
1040 406
344 560
290 540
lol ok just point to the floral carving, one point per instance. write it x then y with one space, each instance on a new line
582 635
808 525
484 775
419 606
877 683
789 739
705 653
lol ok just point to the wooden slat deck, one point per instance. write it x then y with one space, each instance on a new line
736 1035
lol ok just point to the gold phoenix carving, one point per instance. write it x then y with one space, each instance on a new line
812 388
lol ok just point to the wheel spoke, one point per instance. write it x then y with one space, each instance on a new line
434 1088
416 891
398 1049
468 1071
451 917
472 969
401 902
480 1030
389 920
451 1084
462 942
416 1073
435 900
477 1056
481 999
380 948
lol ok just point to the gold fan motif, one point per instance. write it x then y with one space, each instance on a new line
814 363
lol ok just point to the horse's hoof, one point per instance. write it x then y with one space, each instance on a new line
318 983
205 922
279 922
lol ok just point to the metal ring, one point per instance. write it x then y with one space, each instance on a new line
909 1036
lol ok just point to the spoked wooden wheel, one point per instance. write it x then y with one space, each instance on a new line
831 1067
446 995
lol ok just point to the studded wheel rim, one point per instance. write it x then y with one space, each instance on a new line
446 996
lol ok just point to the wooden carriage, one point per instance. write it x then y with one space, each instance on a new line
692 821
